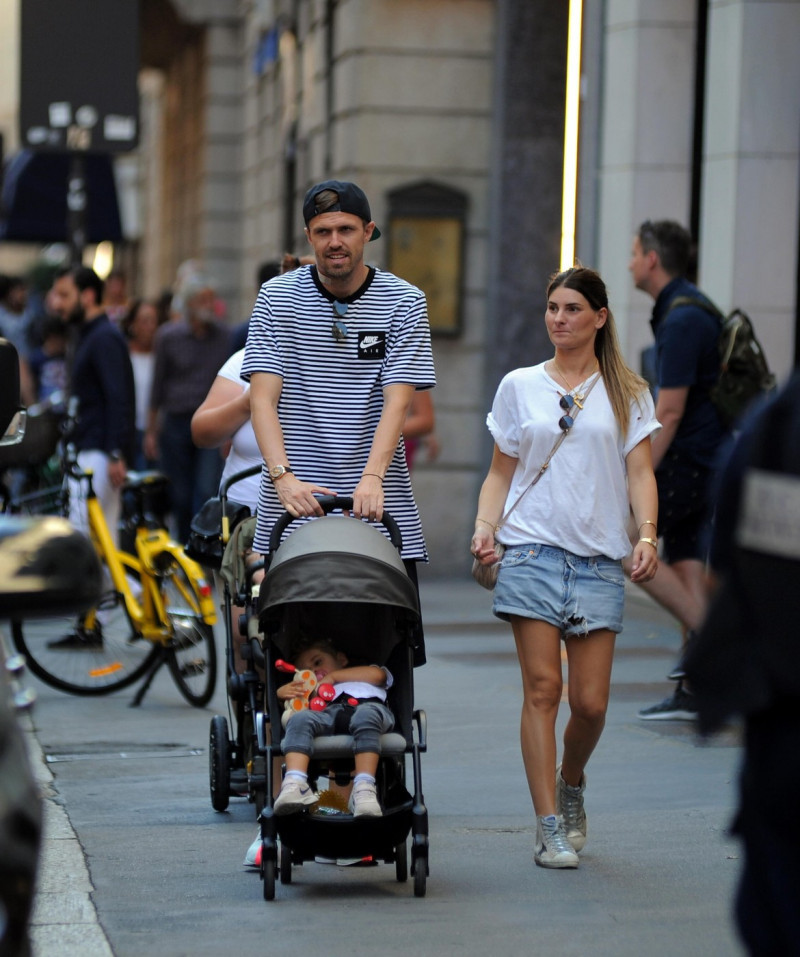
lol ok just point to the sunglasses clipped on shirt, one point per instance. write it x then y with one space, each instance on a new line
567 403
338 328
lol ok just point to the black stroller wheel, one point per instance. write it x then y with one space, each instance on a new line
401 862
286 864
420 878
268 876
219 768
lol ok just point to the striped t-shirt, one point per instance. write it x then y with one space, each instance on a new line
332 391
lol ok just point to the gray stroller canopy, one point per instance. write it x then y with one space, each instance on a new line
337 559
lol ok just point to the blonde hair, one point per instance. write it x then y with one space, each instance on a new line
622 383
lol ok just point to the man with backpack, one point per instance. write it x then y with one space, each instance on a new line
687 328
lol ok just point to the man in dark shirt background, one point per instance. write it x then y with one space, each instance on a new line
687 447
101 378
189 353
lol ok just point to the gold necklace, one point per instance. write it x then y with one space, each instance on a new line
576 395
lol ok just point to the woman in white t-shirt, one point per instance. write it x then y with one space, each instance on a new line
139 326
223 420
561 575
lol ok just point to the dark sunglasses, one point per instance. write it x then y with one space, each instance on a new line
567 403
339 329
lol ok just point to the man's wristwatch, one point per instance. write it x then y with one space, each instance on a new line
116 456
278 470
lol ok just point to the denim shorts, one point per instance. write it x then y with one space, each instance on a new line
575 593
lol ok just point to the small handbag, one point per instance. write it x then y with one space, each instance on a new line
205 543
486 575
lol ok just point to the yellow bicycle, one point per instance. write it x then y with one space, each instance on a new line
157 609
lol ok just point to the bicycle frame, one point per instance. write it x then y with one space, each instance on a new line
147 616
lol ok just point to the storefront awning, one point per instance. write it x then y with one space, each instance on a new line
34 198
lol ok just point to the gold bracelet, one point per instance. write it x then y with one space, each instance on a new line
373 474
490 524
650 541
648 522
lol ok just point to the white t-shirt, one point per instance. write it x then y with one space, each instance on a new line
332 391
143 364
581 502
244 451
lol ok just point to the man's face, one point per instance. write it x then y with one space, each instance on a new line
65 300
639 265
201 306
338 241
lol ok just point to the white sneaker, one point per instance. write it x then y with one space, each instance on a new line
253 856
552 847
294 796
364 800
569 804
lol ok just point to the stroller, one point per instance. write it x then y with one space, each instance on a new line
344 581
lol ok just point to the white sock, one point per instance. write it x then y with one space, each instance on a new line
296 775
363 776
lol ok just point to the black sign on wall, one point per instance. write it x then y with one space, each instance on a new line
79 61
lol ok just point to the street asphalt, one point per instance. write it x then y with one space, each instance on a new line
657 876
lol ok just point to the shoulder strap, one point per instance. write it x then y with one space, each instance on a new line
546 463
703 304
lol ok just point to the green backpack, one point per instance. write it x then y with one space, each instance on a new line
743 371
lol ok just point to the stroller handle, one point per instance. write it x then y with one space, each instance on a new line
330 503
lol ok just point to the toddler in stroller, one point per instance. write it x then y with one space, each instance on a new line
358 708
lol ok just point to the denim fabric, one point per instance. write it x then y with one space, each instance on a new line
193 473
575 593
370 720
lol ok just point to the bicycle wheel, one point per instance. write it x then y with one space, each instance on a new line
70 657
192 652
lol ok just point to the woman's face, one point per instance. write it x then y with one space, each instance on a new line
144 325
571 321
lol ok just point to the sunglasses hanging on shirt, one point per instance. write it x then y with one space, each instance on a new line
338 328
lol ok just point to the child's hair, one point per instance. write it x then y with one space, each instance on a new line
305 643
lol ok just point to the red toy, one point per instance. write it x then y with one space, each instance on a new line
321 699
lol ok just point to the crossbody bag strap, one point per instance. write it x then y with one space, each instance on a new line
544 466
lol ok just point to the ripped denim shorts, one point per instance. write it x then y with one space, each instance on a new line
575 593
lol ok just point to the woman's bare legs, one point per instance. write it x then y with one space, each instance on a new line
590 660
539 652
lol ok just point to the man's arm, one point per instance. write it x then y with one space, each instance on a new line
368 494
670 406
295 496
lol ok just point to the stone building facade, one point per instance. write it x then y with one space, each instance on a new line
452 110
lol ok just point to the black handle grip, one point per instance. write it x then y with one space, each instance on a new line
331 503
237 477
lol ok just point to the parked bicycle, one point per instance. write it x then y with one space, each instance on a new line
157 607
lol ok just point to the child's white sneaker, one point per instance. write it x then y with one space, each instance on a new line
364 800
294 796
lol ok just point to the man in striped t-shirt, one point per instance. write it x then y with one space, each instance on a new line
334 355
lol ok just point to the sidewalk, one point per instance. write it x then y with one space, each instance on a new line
459 626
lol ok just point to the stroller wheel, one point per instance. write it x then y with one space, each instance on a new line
401 862
268 876
420 879
286 864
219 763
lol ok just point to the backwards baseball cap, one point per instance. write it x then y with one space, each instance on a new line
351 200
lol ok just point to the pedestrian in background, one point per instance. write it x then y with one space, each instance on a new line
561 576
101 378
139 326
745 661
687 448
189 351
